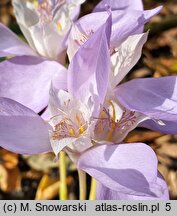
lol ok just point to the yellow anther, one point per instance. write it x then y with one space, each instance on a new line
78 119
35 3
110 134
102 114
72 132
113 109
99 128
59 25
81 130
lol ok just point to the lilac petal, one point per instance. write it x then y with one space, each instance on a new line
76 11
119 5
130 23
21 130
59 145
10 44
154 97
125 168
48 47
169 127
126 57
104 193
27 80
46 114
26 16
88 71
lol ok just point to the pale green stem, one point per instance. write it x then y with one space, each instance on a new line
63 178
82 184
92 195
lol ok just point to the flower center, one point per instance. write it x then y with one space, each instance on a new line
83 37
109 129
70 127
47 10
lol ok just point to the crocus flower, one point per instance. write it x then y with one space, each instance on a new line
128 169
128 18
27 77
115 121
46 23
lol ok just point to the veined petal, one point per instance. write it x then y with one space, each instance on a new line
89 69
119 5
73 146
154 97
21 130
75 149
126 168
26 16
104 193
60 104
52 44
59 145
25 12
69 11
27 80
126 57
11 45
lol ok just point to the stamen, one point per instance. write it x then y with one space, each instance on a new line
59 25
83 37
72 132
114 112
78 118
47 10
110 133
68 127
81 130
108 128
113 50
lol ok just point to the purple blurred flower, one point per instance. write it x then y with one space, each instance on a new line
27 77
125 171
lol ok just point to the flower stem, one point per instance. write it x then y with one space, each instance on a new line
63 177
82 184
92 195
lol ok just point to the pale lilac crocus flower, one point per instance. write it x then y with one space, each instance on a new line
129 170
46 23
114 123
128 18
27 76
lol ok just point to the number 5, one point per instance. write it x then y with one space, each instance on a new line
168 207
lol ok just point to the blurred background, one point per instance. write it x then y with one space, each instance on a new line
36 177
